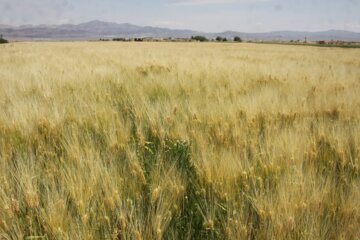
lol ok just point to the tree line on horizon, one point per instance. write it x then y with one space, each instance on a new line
198 38
218 39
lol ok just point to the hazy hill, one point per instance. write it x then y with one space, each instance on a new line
294 35
99 29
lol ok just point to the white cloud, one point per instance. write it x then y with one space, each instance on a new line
207 2
168 23
352 26
64 21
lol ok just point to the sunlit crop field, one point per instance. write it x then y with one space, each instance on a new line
179 141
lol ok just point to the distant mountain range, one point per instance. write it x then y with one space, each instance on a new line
99 29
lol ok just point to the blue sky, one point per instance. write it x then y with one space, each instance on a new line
203 15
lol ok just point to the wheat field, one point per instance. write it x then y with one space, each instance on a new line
179 141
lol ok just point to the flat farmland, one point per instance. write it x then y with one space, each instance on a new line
105 140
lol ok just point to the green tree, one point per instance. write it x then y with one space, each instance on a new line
3 40
237 39
199 38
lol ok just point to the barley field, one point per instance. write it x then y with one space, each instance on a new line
104 140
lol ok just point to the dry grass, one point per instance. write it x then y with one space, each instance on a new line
179 141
